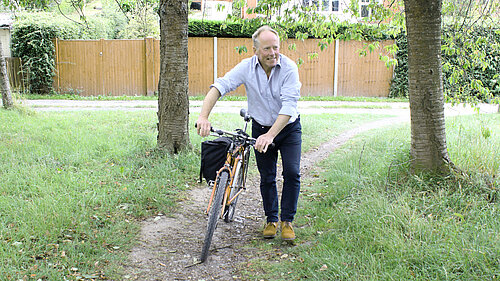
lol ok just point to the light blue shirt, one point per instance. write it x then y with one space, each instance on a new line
267 98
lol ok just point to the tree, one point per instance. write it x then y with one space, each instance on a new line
4 82
428 137
173 102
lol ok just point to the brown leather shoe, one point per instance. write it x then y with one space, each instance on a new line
270 230
287 232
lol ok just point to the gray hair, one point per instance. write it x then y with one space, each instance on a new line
259 31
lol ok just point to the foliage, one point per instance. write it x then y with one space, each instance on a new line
245 29
399 82
143 23
471 65
215 28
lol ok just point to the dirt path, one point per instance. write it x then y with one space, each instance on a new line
169 244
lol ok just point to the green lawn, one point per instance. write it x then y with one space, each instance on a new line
76 184
364 217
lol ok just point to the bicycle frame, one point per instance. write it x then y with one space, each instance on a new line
229 182
235 161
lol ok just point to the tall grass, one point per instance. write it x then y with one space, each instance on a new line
74 186
72 183
366 218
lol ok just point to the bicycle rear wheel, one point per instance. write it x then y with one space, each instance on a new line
230 209
214 213
240 183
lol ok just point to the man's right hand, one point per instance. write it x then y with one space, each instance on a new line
203 126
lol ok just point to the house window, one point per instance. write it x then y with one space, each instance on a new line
364 10
335 5
325 5
322 5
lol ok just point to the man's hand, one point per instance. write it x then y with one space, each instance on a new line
263 142
203 126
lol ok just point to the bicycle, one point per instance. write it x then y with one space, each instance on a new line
230 180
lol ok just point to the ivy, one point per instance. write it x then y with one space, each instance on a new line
471 65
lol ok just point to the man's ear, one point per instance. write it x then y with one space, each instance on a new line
254 50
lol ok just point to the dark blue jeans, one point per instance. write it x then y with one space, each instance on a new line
288 142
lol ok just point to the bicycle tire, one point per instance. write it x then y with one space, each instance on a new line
214 213
240 181
229 212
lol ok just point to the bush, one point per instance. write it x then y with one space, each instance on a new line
471 65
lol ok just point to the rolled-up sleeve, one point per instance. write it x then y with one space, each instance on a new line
290 93
232 80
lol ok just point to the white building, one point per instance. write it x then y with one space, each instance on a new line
5 27
340 9
210 9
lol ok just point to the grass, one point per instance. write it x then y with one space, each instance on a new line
75 186
72 185
364 217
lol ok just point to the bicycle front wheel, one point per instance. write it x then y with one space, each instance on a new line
240 179
214 213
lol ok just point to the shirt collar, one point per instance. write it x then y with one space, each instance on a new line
256 62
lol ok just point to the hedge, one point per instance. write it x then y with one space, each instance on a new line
471 65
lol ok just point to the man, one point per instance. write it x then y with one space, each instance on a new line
273 88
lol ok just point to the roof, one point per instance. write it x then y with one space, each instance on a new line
6 20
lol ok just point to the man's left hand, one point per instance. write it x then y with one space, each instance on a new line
263 142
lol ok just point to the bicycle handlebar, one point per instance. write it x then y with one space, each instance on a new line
220 132
240 134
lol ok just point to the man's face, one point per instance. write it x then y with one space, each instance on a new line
268 50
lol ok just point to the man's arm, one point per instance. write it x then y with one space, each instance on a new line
263 141
203 125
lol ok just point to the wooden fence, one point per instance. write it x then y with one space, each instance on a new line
132 67
15 73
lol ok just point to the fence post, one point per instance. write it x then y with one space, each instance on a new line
336 69
100 67
215 59
58 78
150 66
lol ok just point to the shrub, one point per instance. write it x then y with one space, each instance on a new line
471 65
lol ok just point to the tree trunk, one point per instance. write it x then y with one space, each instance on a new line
4 82
173 102
428 138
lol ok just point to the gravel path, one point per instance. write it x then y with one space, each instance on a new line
305 107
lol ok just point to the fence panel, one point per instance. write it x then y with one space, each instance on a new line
132 67
78 67
14 72
200 64
124 67
362 76
316 73
228 57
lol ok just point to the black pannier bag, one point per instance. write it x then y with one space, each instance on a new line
213 157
